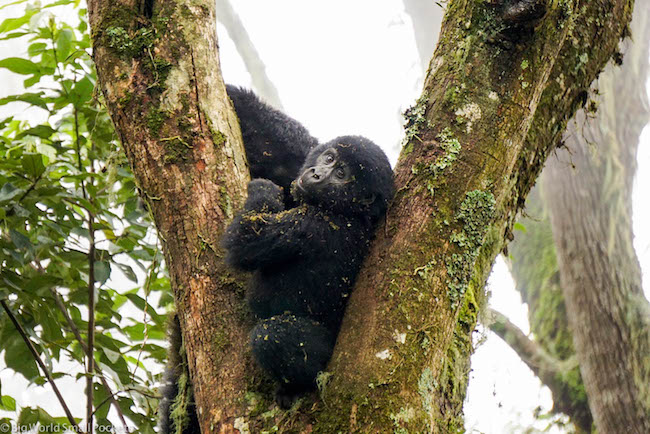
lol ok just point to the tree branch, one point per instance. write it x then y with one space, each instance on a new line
40 363
237 32
531 353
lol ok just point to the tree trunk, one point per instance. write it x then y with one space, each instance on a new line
535 271
589 194
429 264
403 353
159 72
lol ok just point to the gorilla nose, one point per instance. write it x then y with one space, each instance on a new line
318 173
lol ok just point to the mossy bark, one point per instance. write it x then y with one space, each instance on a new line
425 274
403 354
612 136
159 72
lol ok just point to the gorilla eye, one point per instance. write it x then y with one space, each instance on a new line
340 173
329 158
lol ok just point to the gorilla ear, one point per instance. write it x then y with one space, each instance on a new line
368 200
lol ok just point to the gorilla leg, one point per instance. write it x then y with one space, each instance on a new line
293 350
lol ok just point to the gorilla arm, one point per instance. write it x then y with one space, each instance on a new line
258 239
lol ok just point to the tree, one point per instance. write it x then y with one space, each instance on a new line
70 220
496 100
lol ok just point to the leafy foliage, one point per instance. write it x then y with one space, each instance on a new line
68 199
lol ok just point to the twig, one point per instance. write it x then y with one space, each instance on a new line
84 347
40 363
91 326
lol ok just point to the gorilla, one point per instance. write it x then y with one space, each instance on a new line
305 259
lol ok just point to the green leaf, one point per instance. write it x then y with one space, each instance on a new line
36 48
102 271
13 35
63 43
82 91
113 356
20 66
519 227
13 23
128 272
20 240
28 418
33 164
8 192
42 131
35 99
7 403
18 358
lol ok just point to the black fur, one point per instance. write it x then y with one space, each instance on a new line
175 367
306 259
276 145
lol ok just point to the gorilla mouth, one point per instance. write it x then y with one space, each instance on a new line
299 185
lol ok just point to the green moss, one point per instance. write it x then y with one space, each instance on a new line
128 44
475 213
155 120
176 150
415 117
218 137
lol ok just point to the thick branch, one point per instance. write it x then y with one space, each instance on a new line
546 367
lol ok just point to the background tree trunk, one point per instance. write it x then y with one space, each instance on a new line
588 189
534 264
403 353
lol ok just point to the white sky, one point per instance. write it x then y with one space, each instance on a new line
346 67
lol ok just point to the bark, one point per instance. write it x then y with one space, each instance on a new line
403 353
588 189
534 262
534 268
159 72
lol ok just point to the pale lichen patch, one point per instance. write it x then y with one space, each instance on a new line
241 425
383 355
176 85
471 113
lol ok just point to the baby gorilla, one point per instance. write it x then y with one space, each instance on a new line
306 259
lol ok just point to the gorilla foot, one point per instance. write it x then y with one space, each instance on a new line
285 396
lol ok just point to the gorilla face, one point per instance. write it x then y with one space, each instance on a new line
349 175
328 173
